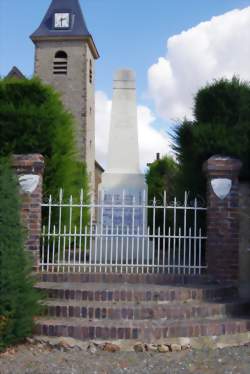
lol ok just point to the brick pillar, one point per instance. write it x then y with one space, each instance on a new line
29 169
223 217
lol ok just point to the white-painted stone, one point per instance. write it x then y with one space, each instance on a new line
28 182
123 176
221 187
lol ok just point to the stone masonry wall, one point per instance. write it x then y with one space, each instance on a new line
244 246
223 219
24 165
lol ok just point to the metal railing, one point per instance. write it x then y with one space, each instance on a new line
123 233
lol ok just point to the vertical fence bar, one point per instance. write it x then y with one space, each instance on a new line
123 227
70 228
91 232
43 246
158 245
74 253
53 248
148 235
64 247
85 247
106 249
80 231
154 233
59 227
116 248
137 249
96 239
185 230
143 229
101 233
169 248
179 251
48 236
199 251
189 250
164 230
112 229
133 231
127 249
174 234
195 231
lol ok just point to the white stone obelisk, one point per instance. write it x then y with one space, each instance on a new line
122 182
123 170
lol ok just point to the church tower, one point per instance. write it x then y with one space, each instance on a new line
65 55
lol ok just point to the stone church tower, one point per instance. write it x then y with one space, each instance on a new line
65 55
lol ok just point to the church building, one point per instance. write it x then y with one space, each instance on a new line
65 55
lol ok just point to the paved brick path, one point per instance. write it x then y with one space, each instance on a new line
29 359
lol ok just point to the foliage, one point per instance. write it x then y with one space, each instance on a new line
18 298
221 125
33 120
161 176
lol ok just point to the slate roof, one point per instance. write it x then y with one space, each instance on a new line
15 73
79 27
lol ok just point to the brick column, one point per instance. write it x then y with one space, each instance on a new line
29 169
222 218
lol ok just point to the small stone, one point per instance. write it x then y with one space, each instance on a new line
162 348
30 340
186 347
110 347
151 347
92 348
139 347
175 347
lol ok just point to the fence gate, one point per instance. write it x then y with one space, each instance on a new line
126 234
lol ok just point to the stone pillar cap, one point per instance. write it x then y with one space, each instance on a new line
222 164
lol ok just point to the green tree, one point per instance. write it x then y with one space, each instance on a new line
221 125
33 120
161 176
19 301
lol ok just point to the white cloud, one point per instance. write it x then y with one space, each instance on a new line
151 140
214 49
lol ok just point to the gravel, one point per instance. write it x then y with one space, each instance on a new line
41 359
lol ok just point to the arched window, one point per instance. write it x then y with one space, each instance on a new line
90 72
60 65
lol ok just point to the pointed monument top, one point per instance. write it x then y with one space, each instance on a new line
124 75
64 19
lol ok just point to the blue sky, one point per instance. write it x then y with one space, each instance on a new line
134 34
129 33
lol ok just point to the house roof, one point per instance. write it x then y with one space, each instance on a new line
98 166
15 73
77 30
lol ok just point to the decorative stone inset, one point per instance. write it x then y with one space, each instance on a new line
28 182
221 187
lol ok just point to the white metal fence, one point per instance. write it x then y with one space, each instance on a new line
123 233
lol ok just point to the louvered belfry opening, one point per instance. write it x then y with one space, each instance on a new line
60 65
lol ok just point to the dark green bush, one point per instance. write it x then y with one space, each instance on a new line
221 126
33 120
19 301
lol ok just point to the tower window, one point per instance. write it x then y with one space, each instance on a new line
90 72
60 64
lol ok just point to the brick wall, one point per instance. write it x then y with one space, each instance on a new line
223 220
244 244
32 164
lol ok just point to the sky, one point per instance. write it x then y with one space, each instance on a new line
175 47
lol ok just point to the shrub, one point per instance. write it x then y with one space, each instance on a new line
221 125
33 120
19 301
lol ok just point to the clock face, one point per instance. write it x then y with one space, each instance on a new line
61 20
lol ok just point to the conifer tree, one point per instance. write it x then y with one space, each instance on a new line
19 301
